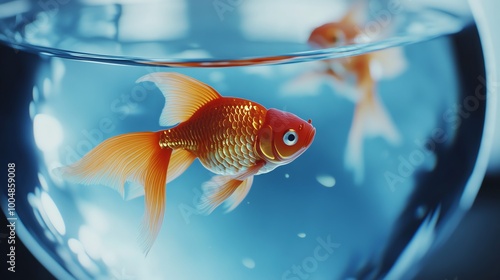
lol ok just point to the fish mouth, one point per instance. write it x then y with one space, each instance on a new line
310 136
309 140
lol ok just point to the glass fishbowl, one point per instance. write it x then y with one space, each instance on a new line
396 159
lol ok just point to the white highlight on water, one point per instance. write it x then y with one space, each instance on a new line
248 263
216 76
326 180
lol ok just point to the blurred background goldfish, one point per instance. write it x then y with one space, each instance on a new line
355 77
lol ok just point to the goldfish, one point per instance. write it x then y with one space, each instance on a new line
356 77
233 138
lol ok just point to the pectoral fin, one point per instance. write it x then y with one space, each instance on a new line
229 189
238 195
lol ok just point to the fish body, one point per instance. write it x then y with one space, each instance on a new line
221 135
370 116
232 137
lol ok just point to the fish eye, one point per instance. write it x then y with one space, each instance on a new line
290 138
338 37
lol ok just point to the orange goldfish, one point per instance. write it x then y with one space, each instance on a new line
370 116
232 137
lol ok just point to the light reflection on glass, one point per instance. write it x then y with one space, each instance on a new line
165 21
53 214
265 27
43 182
47 131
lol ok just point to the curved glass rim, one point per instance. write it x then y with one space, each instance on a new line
293 57
455 23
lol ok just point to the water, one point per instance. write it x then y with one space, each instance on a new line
310 219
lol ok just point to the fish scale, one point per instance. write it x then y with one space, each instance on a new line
220 134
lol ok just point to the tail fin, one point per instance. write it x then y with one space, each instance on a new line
137 158
370 119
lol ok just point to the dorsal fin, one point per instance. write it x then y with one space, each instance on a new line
356 14
183 95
